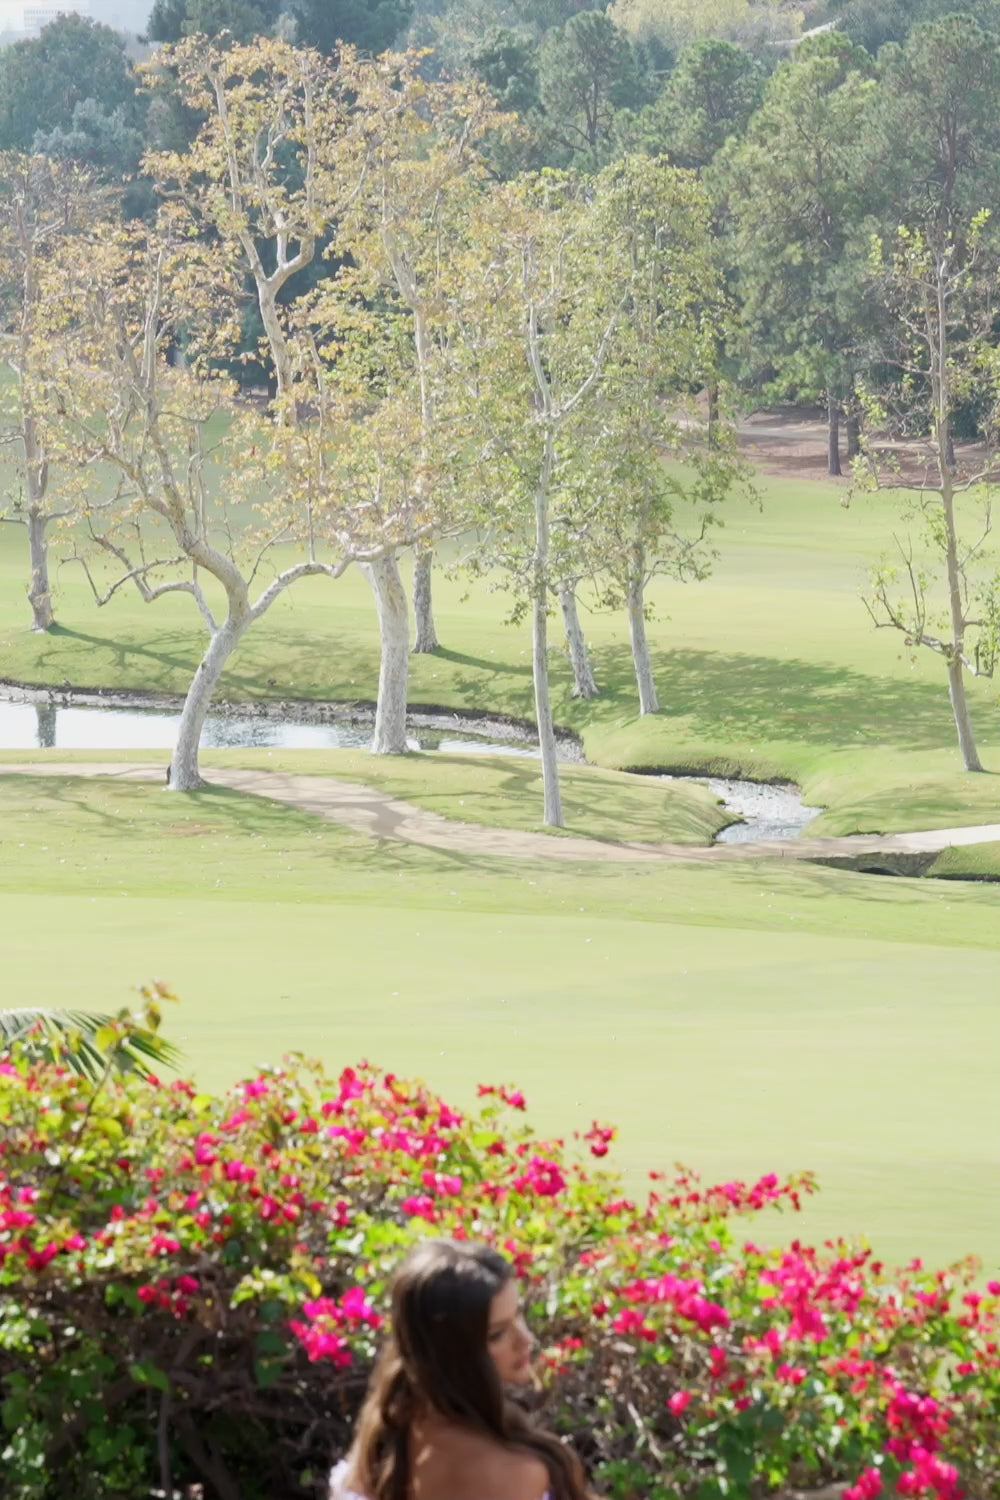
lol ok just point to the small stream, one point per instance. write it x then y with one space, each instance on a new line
769 810
53 726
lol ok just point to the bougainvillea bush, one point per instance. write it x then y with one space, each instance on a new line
193 1288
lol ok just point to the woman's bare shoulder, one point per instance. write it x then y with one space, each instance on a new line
518 1476
484 1468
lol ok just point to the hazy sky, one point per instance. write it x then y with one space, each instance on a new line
123 15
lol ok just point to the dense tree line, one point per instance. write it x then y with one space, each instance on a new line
694 203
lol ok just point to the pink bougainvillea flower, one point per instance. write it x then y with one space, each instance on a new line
320 1307
868 1486
357 1308
205 1154
322 1344
239 1171
544 1178
419 1206
38 1259
17 1218
679 1402
630 1321
442 1184
599 1138
164 1244
513 1098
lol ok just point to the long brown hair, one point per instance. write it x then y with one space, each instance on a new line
438 1357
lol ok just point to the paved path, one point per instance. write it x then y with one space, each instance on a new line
383 817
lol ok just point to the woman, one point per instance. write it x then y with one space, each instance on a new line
436 1424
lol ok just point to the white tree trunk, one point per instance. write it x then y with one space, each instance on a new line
584 684
552 815
941 385
425 633
963 723
39 595
184 775
956 678
394 634
649 702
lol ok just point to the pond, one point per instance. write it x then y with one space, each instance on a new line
33 726
769 811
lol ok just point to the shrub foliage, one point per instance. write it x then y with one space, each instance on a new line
192 1290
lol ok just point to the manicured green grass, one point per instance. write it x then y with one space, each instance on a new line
972 862
741 1018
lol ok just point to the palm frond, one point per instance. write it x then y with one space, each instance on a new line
86 1043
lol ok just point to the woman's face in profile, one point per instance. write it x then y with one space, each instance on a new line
509 1343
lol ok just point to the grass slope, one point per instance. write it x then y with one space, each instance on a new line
973 862
741 1019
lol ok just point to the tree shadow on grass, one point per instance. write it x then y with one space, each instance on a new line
216 813
680 812
740 698
806 882
722 697
174 655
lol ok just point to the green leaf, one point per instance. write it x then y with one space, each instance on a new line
267 1372
269 1342
144 1373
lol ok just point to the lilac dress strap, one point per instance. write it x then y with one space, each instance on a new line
339 1490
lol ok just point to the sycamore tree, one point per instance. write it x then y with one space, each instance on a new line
424 167
42 203
534 317
587 318
278 157
661 473
300 156
941 591
392 463
201 498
